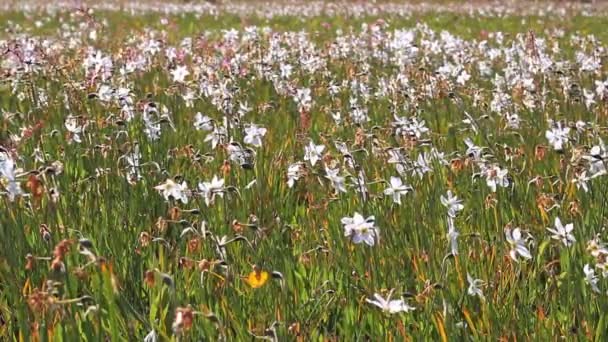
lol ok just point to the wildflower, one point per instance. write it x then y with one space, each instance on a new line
218 136
210 189
474 285
597 248
562 233
253 135
336 181
517 243
294 172
558 136
257 278
360 229
184 318
171 189
495 176
74 130
313 152
396 189
179 74
591 278
8 177
473 151
390 306
421 166
203 122
452 202
580 180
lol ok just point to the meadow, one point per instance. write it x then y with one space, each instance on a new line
303 171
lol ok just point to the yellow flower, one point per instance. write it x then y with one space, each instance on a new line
257 278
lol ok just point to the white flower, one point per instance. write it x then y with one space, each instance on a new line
563 234
591 278
294 172
474 285
452 202
203 122
396 189
580 180
216 137
71 124
360 229
210 189
517 243
558 136
253 135
8 177
180 73
170 189
388 305
495 176
421 166
336 181
596 158
313 152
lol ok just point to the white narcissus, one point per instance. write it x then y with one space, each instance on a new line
360 229
312 152
563 233
452 203
210 189
396 189
254 134
390 306
517 243
171 189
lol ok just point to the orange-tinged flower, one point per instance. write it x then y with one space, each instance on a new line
257 278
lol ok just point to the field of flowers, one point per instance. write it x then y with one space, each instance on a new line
303 171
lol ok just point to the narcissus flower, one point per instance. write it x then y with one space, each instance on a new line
396 189
390 306
360 229
171 189
517 243
563 233
313 152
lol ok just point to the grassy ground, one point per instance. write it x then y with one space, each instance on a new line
110 257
